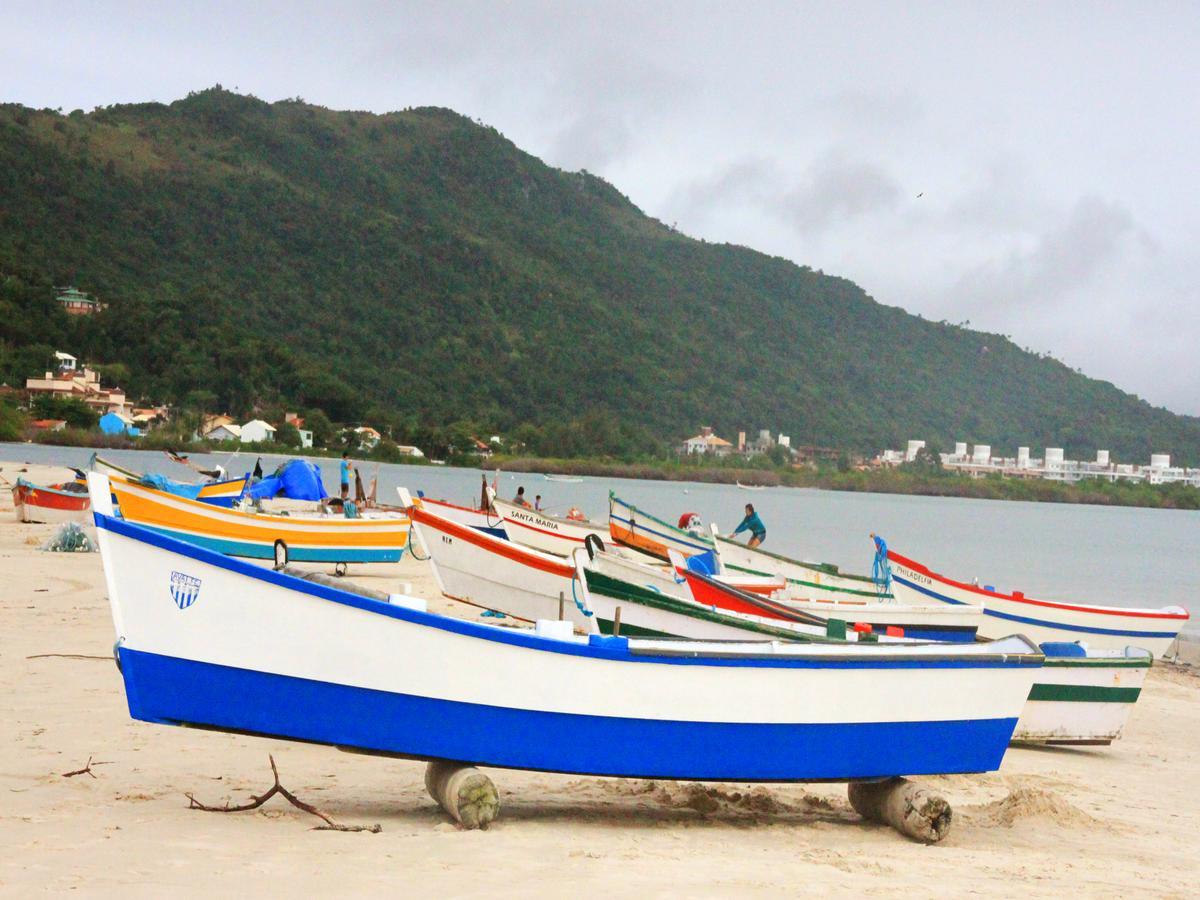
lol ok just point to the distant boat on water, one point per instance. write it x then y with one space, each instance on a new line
565 479
751 487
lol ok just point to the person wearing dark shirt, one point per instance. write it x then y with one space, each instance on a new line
753 524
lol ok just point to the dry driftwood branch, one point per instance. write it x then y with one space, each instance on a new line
277 788
68 656
86 770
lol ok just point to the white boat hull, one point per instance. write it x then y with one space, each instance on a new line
550 534
1082 701
208 640
1102 627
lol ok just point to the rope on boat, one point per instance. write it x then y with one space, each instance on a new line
575 596
410 547
881 569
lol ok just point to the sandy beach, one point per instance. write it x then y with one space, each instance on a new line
1052 821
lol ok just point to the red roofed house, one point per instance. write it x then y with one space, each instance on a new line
706 442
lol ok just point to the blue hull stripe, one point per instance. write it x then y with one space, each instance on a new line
1026 620
929 633
610 649
223 502
669 538
252 550
172 691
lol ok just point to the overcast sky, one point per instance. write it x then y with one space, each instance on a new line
1032 168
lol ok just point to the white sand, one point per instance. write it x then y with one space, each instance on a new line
1124 818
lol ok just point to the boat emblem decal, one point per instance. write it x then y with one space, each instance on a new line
184 589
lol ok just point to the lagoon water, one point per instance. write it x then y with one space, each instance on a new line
1114 556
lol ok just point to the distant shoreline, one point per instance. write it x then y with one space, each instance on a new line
904 480
900 480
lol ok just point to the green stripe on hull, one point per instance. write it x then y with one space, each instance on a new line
627 630
619 590
1083 693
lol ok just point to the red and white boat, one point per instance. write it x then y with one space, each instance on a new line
58 503
1105 627
559 535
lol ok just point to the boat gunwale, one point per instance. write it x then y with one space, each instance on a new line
226 514
1130 611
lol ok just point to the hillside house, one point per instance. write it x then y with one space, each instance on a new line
118 423
226 431
297 422
257 430
79 384
77 303
706 442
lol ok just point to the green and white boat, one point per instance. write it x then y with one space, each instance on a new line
1082 695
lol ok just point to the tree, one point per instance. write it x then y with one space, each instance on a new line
322 429
74 412
287 434
12 422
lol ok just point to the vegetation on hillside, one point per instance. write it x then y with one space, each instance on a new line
418 271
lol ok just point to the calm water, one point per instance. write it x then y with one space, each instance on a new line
1089 554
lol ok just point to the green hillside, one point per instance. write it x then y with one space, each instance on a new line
417 267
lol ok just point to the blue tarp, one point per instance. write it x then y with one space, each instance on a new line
162 483
297 479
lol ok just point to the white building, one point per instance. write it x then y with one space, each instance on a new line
226 431
706 442
305 437
257 430
1054 466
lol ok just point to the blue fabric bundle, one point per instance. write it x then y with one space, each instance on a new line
296 479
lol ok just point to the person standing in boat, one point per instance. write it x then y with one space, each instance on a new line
344 469
520 498
753 524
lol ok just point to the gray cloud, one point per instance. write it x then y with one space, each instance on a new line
833 190
1095 236
837 188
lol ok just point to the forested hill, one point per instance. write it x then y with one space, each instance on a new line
418 267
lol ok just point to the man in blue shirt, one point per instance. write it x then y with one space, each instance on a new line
345 471
753 524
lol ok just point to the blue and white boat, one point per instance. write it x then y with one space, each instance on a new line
208 640
1102 627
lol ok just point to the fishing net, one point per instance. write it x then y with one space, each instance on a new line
70 538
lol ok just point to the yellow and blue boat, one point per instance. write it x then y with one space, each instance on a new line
299 537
